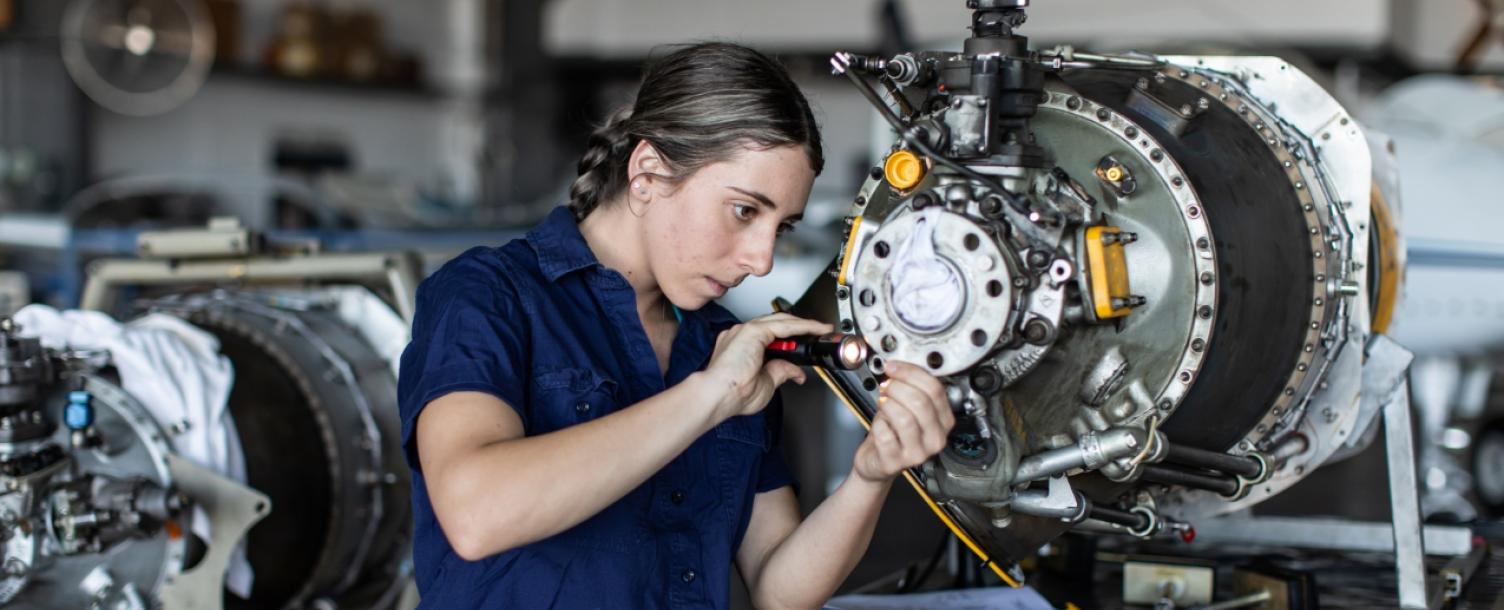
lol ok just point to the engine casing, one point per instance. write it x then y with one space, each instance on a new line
1147 282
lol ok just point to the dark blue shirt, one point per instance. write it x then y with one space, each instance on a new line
541 324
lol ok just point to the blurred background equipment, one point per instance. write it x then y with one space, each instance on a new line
138 57
1449 132
309 415
1486 35
95 499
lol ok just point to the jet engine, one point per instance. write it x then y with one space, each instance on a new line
1149 283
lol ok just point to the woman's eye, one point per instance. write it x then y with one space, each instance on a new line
786 227
743 212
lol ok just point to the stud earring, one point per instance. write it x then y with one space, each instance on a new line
641 192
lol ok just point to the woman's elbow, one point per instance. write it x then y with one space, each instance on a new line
474 540
470 546
473 529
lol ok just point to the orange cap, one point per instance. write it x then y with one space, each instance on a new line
903 170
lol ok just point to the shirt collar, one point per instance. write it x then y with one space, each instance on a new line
560 247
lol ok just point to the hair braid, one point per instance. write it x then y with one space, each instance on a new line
602 169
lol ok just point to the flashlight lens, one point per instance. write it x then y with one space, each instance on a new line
852 353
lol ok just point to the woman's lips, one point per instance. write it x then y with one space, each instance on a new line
717 288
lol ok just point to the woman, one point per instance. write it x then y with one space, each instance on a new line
586 428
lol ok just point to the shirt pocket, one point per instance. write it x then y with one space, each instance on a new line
744 431
570 396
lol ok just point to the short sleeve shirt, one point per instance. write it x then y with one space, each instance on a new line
541 324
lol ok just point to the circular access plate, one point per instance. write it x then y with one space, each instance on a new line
987 295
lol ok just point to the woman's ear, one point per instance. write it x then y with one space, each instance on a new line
645 165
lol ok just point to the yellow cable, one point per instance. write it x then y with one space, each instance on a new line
781 305
919 489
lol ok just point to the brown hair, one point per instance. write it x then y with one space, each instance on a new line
696 106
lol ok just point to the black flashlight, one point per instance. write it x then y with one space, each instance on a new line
832 351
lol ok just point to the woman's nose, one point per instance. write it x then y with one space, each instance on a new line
757 255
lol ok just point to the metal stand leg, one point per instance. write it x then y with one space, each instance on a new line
1404 535
1404 500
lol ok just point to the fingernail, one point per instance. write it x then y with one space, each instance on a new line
883 385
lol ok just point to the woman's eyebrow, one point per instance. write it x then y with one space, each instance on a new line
763 199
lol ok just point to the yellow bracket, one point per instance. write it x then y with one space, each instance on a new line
1388 258
1107 272
856 224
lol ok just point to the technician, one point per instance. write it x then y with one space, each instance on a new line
587 428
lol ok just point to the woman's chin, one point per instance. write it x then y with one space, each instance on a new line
688 300
695 303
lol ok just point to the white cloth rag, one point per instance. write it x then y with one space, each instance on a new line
175 370
926 293
381 327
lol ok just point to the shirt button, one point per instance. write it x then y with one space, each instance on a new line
688 576
677 497
582 408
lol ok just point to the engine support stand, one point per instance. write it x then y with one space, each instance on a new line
1404 535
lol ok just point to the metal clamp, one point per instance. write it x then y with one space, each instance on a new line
1152 522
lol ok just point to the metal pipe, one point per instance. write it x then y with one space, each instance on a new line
1246 467
1130 520
1225 485
1091 452
1048 463
1097 526
1037 503
1291 446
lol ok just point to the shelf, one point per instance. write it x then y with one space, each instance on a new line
256 74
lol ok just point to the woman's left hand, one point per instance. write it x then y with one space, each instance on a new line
913 423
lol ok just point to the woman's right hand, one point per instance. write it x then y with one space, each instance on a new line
742 380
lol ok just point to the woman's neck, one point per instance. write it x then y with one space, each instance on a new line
613 234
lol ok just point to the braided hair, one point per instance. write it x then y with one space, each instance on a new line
697 106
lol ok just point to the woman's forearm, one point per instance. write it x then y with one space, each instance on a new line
808 567
510 493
